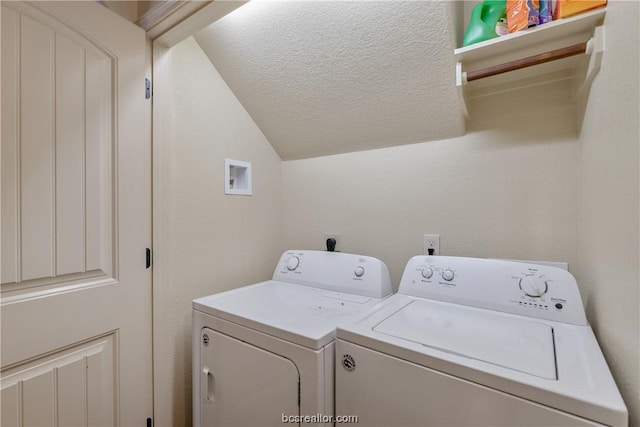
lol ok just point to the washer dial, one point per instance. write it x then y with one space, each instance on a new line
533 286
427 272
448 275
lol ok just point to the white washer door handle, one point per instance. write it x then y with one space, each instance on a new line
207 385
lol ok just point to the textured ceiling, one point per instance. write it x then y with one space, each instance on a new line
327 77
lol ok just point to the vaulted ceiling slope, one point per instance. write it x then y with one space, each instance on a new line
327 77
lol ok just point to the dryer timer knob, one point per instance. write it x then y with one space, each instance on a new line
448 275
293 263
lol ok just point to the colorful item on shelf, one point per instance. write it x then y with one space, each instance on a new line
545 11
534 12
566 8
522 14
485 17
501 27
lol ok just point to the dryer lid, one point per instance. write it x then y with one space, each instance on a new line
522 345
304 315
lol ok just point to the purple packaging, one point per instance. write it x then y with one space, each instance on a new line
534 14
545 11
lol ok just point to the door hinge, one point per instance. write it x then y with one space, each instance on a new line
149 422
148 257
147 89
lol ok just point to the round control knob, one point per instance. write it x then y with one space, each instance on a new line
448 275
533 286
293 263
427 272
359 271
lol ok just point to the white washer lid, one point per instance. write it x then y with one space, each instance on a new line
518 344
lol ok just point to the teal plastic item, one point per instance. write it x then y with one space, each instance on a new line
483 20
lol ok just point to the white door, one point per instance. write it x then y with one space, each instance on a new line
243 385
76 215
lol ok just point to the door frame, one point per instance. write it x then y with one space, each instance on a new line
180 25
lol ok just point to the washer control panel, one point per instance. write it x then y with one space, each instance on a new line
512 287
336 271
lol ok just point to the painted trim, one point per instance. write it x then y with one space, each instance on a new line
163 366
185 22
159 12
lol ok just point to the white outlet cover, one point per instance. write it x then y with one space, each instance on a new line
428 239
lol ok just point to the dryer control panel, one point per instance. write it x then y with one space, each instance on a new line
336 271
512 287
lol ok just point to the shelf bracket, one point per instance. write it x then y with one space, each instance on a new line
593 48
461 81
589 68
586 70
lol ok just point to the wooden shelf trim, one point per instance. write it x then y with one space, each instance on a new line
529 61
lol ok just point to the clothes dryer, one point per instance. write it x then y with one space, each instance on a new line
264 354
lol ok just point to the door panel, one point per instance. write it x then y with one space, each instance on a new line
244 385
9 410
98 170
37 397
76 217
71 400
73 386
69 158
10 167
36 143
58 154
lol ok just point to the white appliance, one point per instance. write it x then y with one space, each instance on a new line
266 351
476 342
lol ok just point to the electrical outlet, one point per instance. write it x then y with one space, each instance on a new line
432 241
336 236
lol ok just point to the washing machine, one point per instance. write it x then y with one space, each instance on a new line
264 354
468 342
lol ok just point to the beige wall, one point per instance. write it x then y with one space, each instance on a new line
609 193
520 184
506 189
212 242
